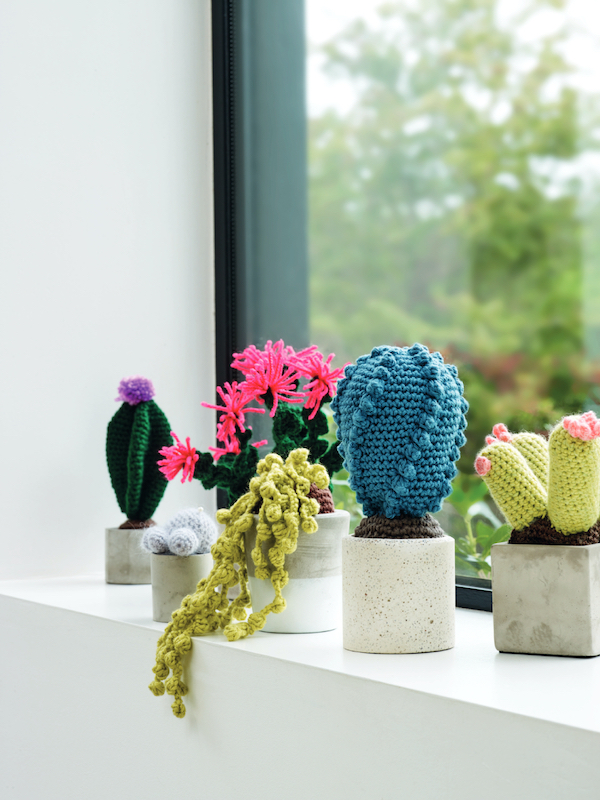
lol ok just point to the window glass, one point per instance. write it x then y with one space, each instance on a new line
454 199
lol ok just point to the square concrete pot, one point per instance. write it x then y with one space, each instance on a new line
126 561
546 599
398 594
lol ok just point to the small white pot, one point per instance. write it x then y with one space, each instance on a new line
173 578
399 594
546 599
313 594
125 559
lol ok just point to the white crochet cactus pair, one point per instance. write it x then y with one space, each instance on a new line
189 532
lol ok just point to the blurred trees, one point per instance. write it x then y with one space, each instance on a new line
444 206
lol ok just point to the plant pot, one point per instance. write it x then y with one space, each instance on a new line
398 594
125 559
173 578
546 599
313 594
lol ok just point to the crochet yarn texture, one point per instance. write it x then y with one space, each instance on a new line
188 532
400 415
135 435
282 490
530 477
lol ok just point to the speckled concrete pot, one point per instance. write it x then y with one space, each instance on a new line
125 559
314 592
173 578
398 594
546 599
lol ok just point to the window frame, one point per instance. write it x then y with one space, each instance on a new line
228 310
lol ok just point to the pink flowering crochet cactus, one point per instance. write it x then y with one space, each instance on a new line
293 387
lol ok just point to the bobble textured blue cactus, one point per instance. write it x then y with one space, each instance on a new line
400 415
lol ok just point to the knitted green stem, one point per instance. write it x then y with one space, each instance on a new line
281 489
573 481
512 483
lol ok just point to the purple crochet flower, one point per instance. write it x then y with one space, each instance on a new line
134 390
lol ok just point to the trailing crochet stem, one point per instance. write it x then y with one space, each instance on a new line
281 490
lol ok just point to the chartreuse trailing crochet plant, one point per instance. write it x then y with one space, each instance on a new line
548 489
400 415
280 494
135 435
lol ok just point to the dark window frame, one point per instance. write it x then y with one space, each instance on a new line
228 310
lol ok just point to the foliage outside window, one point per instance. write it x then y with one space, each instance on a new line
453 196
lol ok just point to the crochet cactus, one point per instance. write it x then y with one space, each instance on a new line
531 478
134 437
400 415
281 490
189 532
293 387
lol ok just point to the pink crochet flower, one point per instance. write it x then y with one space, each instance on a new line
231 446
482 465
585 426
324 380
252 358
500 434
177 456
234 401
272 373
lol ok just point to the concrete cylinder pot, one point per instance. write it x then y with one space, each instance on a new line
313 594
398 594
125 560
173 578
546 599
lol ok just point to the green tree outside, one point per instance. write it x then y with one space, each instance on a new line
445 206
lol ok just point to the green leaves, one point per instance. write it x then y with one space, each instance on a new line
464 496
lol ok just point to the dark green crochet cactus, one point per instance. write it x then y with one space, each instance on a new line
135 435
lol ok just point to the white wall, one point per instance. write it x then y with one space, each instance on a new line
105 255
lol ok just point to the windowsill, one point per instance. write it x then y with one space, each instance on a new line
552 689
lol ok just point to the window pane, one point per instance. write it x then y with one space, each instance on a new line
454 174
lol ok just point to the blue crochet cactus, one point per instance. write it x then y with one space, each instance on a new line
400 415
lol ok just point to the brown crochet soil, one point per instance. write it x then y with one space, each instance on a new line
323 498
136 524
380 527
541 532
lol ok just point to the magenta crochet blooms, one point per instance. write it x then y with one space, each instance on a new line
293 387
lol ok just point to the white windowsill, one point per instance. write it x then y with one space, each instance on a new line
552 689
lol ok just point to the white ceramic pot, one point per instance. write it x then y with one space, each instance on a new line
125 559
173 578
546 599
313 594
399 594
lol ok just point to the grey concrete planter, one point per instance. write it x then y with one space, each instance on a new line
173 578
125 559
314 592
399 594
546 599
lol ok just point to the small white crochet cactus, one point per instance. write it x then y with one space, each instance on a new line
189 532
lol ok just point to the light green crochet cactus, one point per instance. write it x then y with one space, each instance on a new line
531 478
